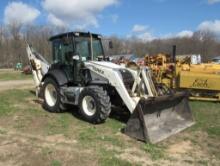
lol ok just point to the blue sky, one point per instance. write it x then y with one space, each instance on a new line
152 18
162 17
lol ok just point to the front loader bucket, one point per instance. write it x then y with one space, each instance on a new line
158 118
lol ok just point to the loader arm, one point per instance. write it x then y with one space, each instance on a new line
115 80
153 117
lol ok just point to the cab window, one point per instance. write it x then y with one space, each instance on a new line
62 50
97 49
82 48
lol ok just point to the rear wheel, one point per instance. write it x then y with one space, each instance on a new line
95 105
52 96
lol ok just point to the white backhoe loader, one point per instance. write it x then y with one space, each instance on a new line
80 75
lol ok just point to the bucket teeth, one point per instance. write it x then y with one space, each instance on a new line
156 119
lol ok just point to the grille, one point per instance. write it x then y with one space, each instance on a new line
127 78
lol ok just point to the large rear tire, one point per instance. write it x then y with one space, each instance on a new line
52 96
94 104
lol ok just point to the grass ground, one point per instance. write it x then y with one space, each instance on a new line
10 74
31 136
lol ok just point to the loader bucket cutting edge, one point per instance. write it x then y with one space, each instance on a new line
156 119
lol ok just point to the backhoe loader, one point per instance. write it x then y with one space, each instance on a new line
81 75
201 80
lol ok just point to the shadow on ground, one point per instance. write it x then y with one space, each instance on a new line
120 114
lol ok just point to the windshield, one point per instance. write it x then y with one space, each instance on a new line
83 48
97 49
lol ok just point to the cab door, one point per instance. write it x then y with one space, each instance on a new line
62 56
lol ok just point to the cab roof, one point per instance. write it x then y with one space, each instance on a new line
74 34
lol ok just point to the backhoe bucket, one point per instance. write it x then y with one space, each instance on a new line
158 118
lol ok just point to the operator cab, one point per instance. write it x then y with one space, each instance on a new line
76 45
71 49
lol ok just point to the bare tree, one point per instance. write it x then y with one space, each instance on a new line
14 36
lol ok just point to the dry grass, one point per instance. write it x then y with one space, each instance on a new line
10 74
41 138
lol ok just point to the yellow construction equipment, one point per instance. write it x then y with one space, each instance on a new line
202 80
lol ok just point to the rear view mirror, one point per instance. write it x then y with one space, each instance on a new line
110 44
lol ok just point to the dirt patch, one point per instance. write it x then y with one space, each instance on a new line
180 148
7 70
135 155
26 149
16 84
36 102
190 148
60 138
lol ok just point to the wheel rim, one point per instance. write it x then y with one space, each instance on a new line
51 95
89 106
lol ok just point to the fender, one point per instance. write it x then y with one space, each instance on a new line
59 76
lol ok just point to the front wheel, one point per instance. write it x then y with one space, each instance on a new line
95 105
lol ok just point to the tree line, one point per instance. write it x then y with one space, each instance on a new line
204 43
13 43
